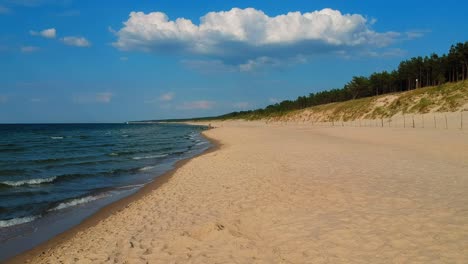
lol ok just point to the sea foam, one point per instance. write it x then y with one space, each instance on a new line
17 221
150 157
77 201
29 182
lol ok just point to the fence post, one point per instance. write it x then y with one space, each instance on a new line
435 122
461 119
446 123
413 122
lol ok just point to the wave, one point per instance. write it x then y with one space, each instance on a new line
56 137
77 201
201 143
150 157
17 221
29 182
147 168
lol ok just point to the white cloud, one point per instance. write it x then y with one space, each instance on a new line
167 97
242 105
245 36
46 33
104 97
194 105
29 49
76 41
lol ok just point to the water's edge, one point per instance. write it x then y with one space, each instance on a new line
21 252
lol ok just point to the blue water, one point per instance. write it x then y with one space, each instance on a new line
48 168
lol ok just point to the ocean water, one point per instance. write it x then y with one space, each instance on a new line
46 169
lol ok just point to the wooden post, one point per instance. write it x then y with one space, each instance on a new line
446 123
461 119
382 121
413 122
435 122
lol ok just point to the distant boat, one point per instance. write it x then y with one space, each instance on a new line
126 123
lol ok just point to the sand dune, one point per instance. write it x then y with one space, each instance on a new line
294 194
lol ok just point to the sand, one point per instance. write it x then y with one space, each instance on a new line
293 194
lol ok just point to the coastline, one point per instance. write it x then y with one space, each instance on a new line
297 194
109 209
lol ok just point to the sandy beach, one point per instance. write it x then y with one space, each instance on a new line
290 194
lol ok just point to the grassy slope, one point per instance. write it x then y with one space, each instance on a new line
450 97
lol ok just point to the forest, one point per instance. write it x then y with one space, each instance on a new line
414 73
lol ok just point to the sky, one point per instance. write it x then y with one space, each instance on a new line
71 61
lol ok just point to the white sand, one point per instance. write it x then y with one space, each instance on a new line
296 195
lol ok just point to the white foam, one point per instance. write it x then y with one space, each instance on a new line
29 182
114 154
150 157
201 143
56 137
147 168
77 201
17 221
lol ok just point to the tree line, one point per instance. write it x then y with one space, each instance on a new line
411 74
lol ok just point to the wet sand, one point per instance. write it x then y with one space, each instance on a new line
290 194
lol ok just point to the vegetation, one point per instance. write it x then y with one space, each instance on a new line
375 96
412 74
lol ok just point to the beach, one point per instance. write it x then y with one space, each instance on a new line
271 193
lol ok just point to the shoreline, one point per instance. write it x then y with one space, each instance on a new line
109 209
274 194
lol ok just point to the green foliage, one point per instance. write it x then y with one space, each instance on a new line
412 75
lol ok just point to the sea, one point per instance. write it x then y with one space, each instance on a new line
53 176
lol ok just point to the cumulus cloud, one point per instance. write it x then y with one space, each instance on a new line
29 49
46 33
249 36
104 97
194 105
76 41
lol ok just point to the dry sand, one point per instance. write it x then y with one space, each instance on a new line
294 194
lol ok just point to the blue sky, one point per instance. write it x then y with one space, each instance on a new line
76 61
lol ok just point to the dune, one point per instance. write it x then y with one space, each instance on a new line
293 194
